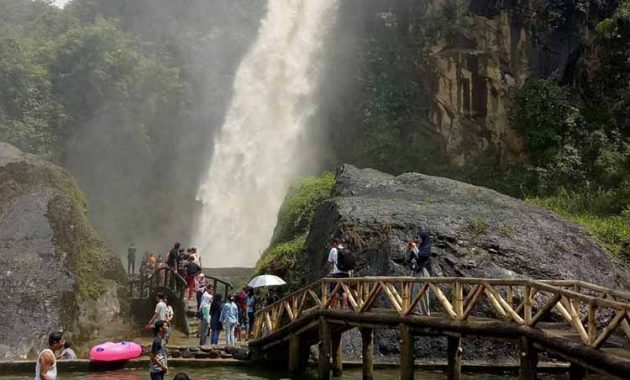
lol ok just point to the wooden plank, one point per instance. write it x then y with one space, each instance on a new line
497 306
294 354
350 297
289 311
406 353
367 339
507 308
325 349
612 326
472 302
337 354
543 311
392 298
417 299
444 301
529 359
454 357
458 300
592 323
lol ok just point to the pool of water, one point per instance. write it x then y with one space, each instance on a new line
228 373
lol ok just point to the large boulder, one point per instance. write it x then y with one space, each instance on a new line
477 232
56 272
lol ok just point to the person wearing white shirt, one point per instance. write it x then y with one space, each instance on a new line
335 272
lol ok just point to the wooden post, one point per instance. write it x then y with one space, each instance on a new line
406 353
294 354
368 353
454 354
325 346
577 372
337 354
528 358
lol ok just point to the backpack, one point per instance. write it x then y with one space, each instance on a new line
345 260
192 269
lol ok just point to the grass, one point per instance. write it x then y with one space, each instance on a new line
479 225
610 231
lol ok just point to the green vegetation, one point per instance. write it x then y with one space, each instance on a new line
294 220
299 206
479 225
612 231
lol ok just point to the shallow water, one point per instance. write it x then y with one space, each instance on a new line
231 373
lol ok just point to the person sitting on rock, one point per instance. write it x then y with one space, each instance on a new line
68 352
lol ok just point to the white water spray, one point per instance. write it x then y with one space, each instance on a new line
258 152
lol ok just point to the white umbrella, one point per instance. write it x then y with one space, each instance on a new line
266 280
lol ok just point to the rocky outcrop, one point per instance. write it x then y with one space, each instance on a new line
56 272
477 233
484 52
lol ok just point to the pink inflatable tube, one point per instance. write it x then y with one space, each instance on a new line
112 352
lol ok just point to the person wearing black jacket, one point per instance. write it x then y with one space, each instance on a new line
171 261
420 263
215 315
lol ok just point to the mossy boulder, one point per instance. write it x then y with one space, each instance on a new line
56 272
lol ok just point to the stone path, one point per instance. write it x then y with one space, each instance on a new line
184 346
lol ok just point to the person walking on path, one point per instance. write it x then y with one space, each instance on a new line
161 309
251 309
215 319
46 366
229 317
131 258
158 366
192 270
204 324
201 288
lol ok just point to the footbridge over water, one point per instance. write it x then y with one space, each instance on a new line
165 280
584 324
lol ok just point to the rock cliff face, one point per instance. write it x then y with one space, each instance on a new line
477 233
56 272
484 57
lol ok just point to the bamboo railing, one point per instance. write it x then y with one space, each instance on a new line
593 312
164 277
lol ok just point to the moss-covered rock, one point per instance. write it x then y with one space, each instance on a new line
57 272
294 220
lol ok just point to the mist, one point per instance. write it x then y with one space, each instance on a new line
140 163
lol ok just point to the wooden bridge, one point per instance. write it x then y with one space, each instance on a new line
166 280
584 324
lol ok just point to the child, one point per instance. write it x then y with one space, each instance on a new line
67 353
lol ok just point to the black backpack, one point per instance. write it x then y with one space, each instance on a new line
192 269
345 260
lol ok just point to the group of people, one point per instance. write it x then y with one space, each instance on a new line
341 263
235 316
178 259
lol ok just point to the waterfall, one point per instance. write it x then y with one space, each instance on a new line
257 154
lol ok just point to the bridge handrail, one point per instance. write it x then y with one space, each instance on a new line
161 277
226 284
535 300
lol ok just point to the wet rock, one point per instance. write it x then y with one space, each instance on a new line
201 355
226 355
193 348
187 354
241 353
59 274
214 354
175 354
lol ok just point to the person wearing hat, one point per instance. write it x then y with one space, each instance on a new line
200 287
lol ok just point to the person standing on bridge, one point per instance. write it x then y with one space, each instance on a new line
172 257
336 272
201 288
420 263
131 258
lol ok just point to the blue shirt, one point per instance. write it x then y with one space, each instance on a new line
251 302
229 314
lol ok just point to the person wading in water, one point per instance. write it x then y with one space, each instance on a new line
46 367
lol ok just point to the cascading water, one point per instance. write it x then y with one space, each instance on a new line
258 152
